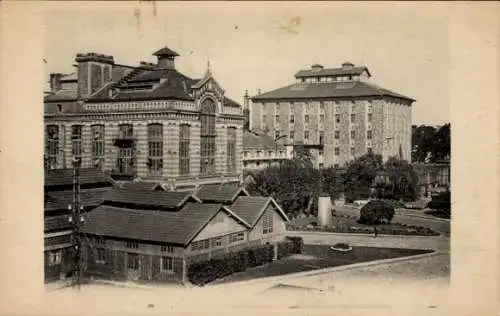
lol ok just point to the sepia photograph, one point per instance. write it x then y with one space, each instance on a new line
246 155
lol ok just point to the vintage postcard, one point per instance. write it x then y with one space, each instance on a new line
254 157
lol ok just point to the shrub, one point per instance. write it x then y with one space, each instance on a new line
204 272
376 212
297 243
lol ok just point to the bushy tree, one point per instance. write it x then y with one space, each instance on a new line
441 202
376 212
430 144
402 180
360 175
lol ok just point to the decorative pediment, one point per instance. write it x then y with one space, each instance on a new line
208 85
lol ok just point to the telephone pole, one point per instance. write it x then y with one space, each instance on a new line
76 220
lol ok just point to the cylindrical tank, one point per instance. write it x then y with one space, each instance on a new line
324 211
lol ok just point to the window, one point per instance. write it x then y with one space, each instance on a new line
208 134
270 153
76 141
321 137
264 121
236 237
59 108
337 118
306 119
353 150
292 119
277 119
245 153
267 222
167 248
276 134
320 152
292 135
126 159
167 264
217 242
277 106
321 165
370 117
306 135
132 261
353 134
200 245
55 257
184 142
337 134
155 150
321 105
321 118
353 118
99 241
231 149
337 151
97 145
369 134
100 255
52 145
132 244
336 166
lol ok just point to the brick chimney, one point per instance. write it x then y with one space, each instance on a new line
166 58
55 81
246 111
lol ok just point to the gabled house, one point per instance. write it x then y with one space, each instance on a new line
58 197
225 193
153 235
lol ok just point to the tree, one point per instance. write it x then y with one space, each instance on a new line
441 202
430 144
376 212
442 144
402 180
302 154
360 175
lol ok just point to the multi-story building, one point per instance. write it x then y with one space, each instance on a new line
149 122
260 151
338 113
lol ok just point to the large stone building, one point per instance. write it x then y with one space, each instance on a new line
337 113
148 122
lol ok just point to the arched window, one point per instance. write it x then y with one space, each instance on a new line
208 134
125 141
155 149
52 145
97 146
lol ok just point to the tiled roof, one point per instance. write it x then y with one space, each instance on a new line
139 185
230 103
171 84
58 177
59 200
338 89
170 227
148 198
250 208
220 193
165 51
256 140
61 95
56 222
331 72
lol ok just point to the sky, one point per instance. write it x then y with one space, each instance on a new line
261 45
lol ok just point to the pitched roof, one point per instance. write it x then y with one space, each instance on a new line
258 140
149 198
59 200
331 71
163 84
171 227
251 208
70 77
139 185
338 89
230 103
165 51
220 192
59 177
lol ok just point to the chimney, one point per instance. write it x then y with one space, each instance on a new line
55 81
347 65
316 67
246 111
166 58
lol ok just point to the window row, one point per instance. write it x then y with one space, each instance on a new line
134 263
217 242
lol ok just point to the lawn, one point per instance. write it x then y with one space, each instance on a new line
315 257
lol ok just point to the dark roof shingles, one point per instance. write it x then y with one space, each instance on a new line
65 177
331 72
248 208
147 197
59 200
328 90
220 193
171 227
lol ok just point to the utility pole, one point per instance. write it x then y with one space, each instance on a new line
76 220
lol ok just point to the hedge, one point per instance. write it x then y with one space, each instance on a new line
392 229
201 273
291 245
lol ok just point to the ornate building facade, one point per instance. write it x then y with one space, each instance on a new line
148 123
337 113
